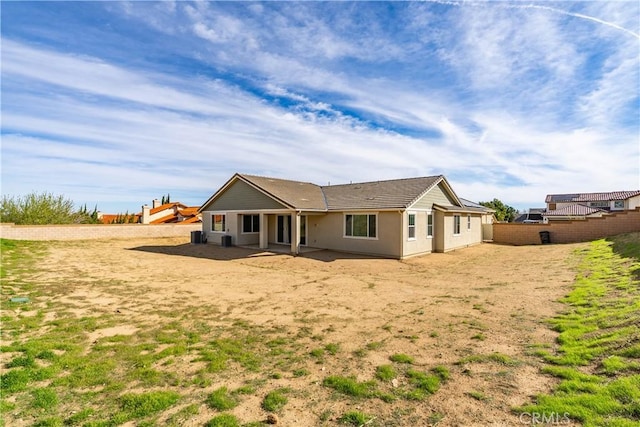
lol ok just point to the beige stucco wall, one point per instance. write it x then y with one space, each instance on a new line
421 243
467 237
327 231
632 203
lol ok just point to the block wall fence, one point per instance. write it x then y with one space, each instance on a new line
505 233
568 231
95 231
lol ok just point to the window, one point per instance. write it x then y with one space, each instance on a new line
618 204
599 204
468 222
412 226
218 223
456 224
250 223
429 225
360 226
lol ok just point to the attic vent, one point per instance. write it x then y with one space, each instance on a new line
371 198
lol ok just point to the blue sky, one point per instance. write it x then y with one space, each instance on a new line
116 103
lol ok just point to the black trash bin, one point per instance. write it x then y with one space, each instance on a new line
226 241
545 237
196 236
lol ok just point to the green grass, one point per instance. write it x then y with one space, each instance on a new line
599 334
477 395
401 358
355 418
145 404
275 400
221 399
223 420
423 382
45 399
350 386
419 385
498 358
385 372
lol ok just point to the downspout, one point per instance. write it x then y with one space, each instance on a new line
401 234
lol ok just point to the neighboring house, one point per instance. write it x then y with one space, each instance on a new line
589 205
395 218
169 213
118 218
533 216
572 212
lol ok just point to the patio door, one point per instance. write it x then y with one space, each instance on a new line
283 232
283 229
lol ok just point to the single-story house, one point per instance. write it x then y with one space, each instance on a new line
395 218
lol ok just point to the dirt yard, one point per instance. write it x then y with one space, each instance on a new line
439 309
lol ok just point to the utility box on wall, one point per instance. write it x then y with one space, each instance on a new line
226 241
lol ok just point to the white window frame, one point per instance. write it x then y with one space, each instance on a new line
456 225
618 204
253 224
411 227
430 226
368 215
213 222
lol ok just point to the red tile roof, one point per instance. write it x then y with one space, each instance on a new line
167 206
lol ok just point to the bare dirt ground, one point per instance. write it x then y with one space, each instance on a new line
438 308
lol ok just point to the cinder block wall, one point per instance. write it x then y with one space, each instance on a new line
95 231
568 231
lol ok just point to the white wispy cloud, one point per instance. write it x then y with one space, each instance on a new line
507 101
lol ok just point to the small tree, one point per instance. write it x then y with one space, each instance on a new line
38 208
503 212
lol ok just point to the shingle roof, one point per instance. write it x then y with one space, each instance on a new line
390 194
396 193
574 210
474 205
591 197
300 195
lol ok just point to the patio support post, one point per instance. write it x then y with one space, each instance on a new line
295 233
264 231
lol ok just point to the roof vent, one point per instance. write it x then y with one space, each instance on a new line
371 198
